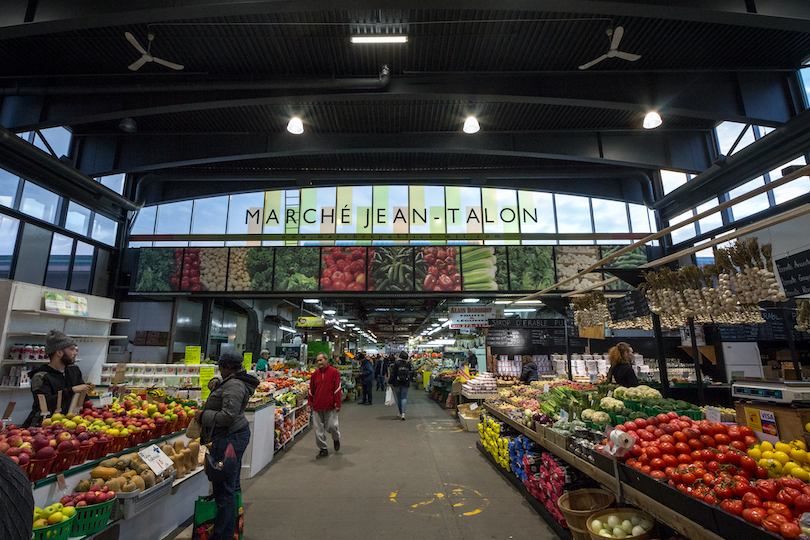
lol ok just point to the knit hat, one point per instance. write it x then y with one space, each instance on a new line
230 359
403 355
56 340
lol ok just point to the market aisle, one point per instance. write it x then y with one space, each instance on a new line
422 478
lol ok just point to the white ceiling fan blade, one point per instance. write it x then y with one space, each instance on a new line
627 56
166 63
618 33
136 65
134 42
593 62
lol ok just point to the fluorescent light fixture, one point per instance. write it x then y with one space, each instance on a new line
520 310
380 39
336 327
343 320
295 126
434 330
440 342
471 125
470 300
286 329
329 312
446 323
535 302
652 120
350 324
311 300
442 319
435 324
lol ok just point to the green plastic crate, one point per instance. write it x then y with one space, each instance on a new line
694 415
91 519
620 420
633 405
60 531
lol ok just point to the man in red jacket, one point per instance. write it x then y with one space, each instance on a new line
325 398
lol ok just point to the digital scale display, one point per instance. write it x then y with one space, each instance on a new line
758 392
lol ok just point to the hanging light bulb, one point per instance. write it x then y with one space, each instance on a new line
652 120
471 125
295 126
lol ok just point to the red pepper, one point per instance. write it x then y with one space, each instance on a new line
802 502
794 483
766 489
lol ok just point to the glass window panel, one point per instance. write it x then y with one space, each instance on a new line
40 203
573 214
36 244
139 244
791 190
711 222
101 275
174 243
751 206
82 267
764 130
114 182
639 218
104 230
78 218
610 216
174 218
727 133
684 233
26 135
427 209
145 222
804 75
8 188
58 138
8 240
238 209
536 212
672 180
704 257
56 275
210 216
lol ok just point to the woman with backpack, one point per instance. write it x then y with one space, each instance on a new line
401 380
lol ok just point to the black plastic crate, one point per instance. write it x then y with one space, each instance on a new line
640 481
736 527
696 510
603 462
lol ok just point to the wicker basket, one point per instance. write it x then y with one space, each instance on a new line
623 513
579 505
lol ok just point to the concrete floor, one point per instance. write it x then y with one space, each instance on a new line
418 479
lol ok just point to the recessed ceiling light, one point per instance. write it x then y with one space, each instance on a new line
380 39
652 120
470 300
343 320
329 312
311 300
295 126
442 319
471 125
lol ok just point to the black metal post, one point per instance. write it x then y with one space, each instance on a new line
662 360
788 320
205 325
568 351
696 358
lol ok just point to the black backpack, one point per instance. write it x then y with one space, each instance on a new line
404 373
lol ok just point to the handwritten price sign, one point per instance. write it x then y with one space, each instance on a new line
155 458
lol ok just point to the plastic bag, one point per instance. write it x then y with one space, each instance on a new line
389 396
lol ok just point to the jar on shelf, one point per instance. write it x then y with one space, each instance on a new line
28 352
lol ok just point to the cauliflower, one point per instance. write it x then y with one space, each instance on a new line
601 418
641 392
587 415
618 393
612 405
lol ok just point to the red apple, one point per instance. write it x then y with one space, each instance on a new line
45 453
15 459
81 503
65 446
13 452
64 436
80 429
15 440
40 441
23 459
4 447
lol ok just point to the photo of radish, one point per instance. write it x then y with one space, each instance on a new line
437 269
345 268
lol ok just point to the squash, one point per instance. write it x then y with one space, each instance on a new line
187 460
194 446
138 481
83 486
97 482
129 487
178 446
104 472
115 484
129 474
179 465
148 478
112 462
168 450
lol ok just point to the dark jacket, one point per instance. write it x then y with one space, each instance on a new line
47 381
225 408
529 373
380 366
400 365
366 370
624 374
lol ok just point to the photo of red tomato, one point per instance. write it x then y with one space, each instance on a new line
345 268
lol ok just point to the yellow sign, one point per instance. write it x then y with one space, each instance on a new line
206 374
248 361
193 355
754 420
310 322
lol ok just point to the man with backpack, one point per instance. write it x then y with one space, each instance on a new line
400 379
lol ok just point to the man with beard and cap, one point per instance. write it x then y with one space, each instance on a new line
60 374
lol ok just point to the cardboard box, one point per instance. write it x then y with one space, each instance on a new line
469 423
469 409
790 422
771 372
456 387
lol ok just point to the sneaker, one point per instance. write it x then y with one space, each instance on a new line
367 403
337 445
402 416
322 454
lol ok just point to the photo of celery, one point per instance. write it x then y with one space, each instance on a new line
483 268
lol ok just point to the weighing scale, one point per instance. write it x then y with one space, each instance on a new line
772 391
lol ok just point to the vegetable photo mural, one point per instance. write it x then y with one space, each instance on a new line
531 268
344 268
437 269
391 269
484 268
296 269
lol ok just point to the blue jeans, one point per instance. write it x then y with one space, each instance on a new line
367 393
380 382
401 393
225 491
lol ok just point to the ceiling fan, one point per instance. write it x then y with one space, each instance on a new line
147 54
613 52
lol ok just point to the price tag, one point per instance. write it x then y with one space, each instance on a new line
564 415
206 374
60 480
248 360
713 414
9 410
105 398
155 458
594 377
610 393
193 355
545 388
473 406
120 373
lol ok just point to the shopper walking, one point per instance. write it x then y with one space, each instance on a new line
223 424
379 372
59 375
401 381
366 377
621 365
529 372
324 401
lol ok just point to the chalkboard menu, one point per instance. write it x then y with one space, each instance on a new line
772 330
794 271
528 334
631 305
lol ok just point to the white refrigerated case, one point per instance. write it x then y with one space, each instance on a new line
742 357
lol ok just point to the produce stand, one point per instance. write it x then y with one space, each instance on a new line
667 514
259 451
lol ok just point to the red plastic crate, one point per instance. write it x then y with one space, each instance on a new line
37 469
119 444
64 461
84 454
99 450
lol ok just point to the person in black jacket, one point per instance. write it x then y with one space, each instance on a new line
621 365
380 370
529 372
366 377
60 375
400 379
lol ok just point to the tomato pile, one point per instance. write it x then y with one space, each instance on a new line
441 273
344 269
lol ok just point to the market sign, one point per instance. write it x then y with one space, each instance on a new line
794 271
630 306
310 322
473 316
